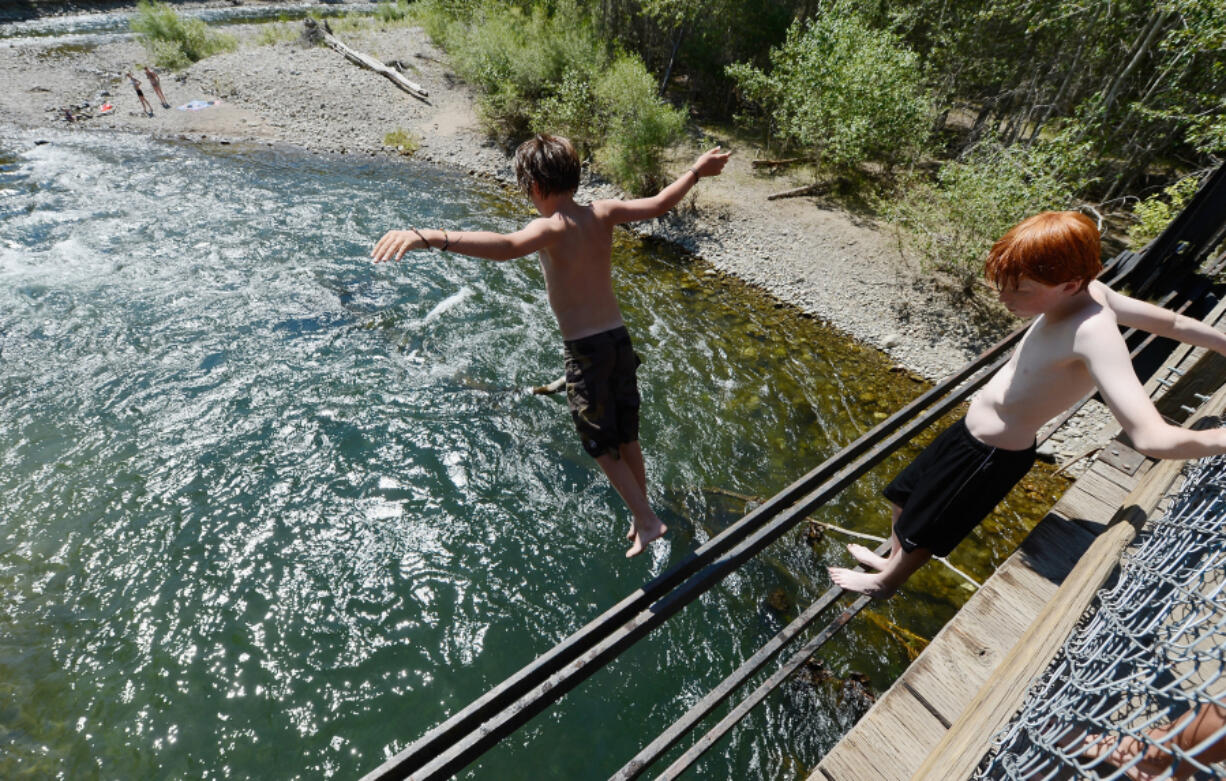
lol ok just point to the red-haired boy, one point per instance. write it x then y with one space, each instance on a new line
1044 268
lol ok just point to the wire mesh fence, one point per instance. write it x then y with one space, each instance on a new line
1139 688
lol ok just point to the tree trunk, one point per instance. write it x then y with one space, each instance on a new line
1055 101
1139 52
672 58
365 60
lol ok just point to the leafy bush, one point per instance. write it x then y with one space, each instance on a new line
388 11
173 41
1154 213
545 70
570 111
273 34
403 141
639 126
953 221
843 90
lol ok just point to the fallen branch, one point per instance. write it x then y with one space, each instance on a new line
553 387
313 32
809 189
781 163
725 492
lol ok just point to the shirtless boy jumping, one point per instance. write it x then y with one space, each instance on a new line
575 245
1044 267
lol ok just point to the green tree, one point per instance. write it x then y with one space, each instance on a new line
952 221
640 125
174 41
844 91
1156 212
543 68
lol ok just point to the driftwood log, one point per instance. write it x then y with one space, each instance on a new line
553 387
782 163
316 34
808 189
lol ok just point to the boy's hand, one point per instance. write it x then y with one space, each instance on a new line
394 244
710 163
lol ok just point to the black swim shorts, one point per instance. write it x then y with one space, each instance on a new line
951 487
602 390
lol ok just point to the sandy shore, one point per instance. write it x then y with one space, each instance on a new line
847 270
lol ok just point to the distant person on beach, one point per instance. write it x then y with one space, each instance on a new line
140 95
575 245
156 83
1044 267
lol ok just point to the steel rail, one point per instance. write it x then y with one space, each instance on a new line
509 719
471 718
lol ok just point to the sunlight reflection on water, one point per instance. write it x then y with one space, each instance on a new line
269 509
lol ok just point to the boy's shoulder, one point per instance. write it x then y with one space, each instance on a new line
1094 326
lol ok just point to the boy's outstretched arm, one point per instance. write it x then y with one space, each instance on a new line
536 235
1163 322
1102 348
709 163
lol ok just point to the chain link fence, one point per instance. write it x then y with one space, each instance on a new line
1139 688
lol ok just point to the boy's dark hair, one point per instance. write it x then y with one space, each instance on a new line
1050 247
549 162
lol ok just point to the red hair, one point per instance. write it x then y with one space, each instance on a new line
1051 248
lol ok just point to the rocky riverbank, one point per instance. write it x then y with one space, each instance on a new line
845 269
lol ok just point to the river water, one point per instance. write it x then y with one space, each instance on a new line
268 510
92 29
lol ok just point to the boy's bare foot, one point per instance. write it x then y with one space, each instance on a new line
630 534
871 584
866 557
645 538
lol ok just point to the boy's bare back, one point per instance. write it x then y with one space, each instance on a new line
578 271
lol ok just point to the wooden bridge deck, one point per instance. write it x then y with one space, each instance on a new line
911 718
895 738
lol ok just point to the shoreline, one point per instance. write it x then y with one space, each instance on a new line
847 270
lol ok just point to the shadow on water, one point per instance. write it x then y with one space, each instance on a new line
267 508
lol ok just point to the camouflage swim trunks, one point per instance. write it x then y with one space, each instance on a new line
602 390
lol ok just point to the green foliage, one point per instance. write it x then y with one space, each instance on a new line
403 141
174 41
638 125
569 111
544 69
844 91
388 11
953 221
272 34
1156 212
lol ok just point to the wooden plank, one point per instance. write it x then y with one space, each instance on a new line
948 674
959 752
1053 547
1101 488
887 747
1080 505
1113 475
963 746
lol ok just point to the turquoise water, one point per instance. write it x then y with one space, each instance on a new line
268 510
92 29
